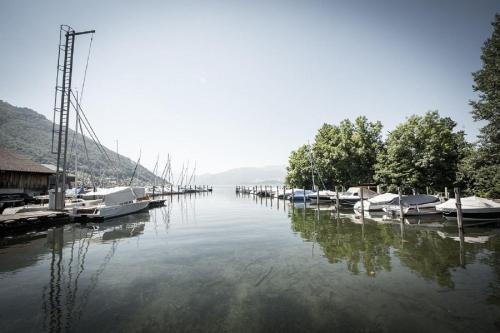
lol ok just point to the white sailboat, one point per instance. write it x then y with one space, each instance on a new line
117 201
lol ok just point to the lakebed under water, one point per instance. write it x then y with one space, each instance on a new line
222 262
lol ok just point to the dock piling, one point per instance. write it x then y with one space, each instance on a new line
458 203
400 203
337 201
362 202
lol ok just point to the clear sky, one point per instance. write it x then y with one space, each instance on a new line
242 83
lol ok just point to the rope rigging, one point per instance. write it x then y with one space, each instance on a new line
86 67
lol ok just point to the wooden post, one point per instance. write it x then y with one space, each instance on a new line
284 192
317 196
304 196
337 201
379 190
427 190
446 194
277 192
458 203
362 203
293 196
400 203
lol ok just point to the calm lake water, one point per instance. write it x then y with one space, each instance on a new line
227 263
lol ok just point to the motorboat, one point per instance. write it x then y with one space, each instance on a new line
377 203
473 209
353 195
413 205
321 197
117 201
287 194
300 195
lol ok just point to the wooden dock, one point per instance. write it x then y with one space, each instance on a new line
32 220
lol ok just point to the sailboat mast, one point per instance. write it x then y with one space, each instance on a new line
76 145
118 168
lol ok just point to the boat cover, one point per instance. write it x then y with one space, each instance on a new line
386 197
367 193
412 200
468 203
139 192
121 195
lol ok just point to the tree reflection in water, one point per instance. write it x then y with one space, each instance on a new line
370 247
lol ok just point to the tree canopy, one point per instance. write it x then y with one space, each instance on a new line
480 170
343 154
423 151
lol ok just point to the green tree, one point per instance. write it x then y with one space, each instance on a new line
343 154
481 169
423 151
299 171
346 154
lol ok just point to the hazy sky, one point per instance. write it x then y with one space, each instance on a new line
242 83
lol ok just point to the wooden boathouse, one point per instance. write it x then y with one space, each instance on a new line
20 175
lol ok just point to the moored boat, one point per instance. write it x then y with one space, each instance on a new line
116 202
473 209
353 195
377 203
413 205
300 195
321 197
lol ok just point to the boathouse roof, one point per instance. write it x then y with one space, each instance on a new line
10 161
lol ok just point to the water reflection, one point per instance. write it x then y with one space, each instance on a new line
367 246
220 263
64 299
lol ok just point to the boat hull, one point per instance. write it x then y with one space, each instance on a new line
108 212
348 201
473 215
120 210
414 210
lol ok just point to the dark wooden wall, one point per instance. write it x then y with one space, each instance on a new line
24 180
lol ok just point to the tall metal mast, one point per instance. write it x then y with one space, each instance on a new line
61 111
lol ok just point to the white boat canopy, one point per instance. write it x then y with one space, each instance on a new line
386 197
468 203
419 199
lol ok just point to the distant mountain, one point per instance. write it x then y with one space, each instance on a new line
29 133
268 175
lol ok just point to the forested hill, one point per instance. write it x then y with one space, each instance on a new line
29 133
